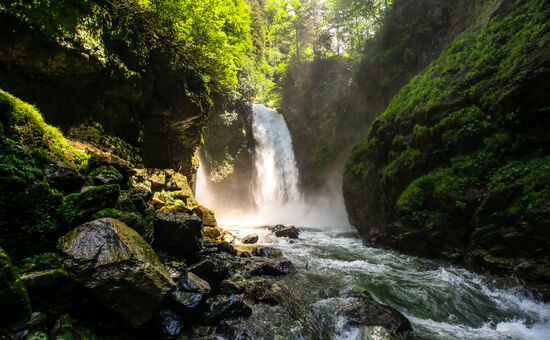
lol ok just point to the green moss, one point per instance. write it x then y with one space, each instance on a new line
464 144
133 220
106 170
15 308
35 134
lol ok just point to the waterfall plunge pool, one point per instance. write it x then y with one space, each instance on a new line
442 301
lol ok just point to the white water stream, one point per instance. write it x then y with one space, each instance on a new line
442 301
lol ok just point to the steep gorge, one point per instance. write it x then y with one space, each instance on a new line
456 166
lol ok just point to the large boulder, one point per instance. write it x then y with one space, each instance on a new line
273 268
178 233
213 269
363 310
15 307
118 267
284 231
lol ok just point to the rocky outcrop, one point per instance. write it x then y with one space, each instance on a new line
117 102
15 307
227 154
118 267
455 167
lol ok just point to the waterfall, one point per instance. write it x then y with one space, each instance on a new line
276 187
277 180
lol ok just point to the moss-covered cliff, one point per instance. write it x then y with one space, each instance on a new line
457 166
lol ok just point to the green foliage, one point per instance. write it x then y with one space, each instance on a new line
133 220
464 144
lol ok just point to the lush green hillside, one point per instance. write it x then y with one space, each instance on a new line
457 166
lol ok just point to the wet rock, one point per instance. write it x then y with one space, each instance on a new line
15 308
273 268
213 269
170 323
222 307
119 268
227 248
232 286
211 234
178 233
50 291
230 329
63 177
250 239
378 333
228 237
206 215
262 290
291 232
363 310
267 252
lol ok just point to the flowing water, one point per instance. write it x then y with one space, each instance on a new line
442 301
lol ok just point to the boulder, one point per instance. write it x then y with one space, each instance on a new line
63 177
50 291
228 237
119 268
179 234
81 207
222 307
250 239
207 216
15 307
211 234
267 252
363 310
262 290
273 268
291 232
213 270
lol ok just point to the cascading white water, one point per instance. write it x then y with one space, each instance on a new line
277 180
276 188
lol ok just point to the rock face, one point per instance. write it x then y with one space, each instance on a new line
364 311
15 307
227 154
178 233
455 167
118 267
76 86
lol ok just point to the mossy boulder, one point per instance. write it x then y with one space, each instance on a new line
81 207
50 291
133 220
119 268
15 307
